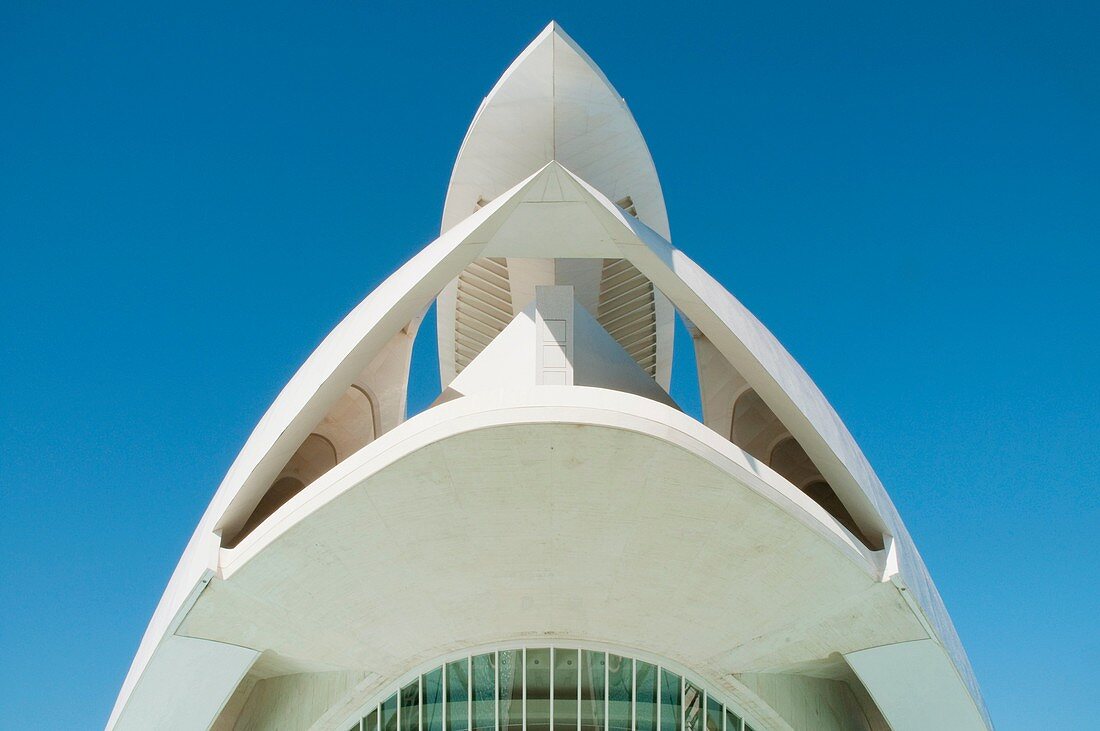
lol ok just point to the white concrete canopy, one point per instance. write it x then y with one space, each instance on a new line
553 489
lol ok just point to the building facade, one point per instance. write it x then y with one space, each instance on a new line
552 545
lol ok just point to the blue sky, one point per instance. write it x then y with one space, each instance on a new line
191 196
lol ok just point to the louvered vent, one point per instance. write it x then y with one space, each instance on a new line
626 310
483 308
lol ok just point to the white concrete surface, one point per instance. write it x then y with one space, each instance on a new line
553 490
939 700
553 103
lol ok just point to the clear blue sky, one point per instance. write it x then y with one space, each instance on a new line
908 195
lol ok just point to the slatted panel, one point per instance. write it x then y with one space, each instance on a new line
626 310
483 307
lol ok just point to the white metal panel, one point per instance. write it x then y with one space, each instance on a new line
916 687
186 685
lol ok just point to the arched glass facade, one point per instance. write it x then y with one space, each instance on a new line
550 689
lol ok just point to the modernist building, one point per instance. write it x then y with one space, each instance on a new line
553 545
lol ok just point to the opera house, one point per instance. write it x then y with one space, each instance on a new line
553 544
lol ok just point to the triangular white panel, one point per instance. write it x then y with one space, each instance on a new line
508 363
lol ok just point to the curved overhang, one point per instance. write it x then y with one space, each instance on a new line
596 227
556 512
577 407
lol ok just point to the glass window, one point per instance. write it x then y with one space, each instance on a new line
389 714
485 692
538 690
433 700
670 701
410 706
620 693
510 690
714 715
593 667
693 708
646 693
458 696
544 689
566 686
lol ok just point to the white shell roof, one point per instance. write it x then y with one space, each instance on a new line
546 211
554 103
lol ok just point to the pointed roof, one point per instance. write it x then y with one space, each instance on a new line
554 103
510 200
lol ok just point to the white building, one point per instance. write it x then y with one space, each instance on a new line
552 545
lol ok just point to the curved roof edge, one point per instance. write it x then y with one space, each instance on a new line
547 405
738 335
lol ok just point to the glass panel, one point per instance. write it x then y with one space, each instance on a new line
646 692
714 715
693 708
485 692
410 707
433 700
620 692
566 684
538 690
593 665
458 696
510 690
670 701
550 690
389 714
